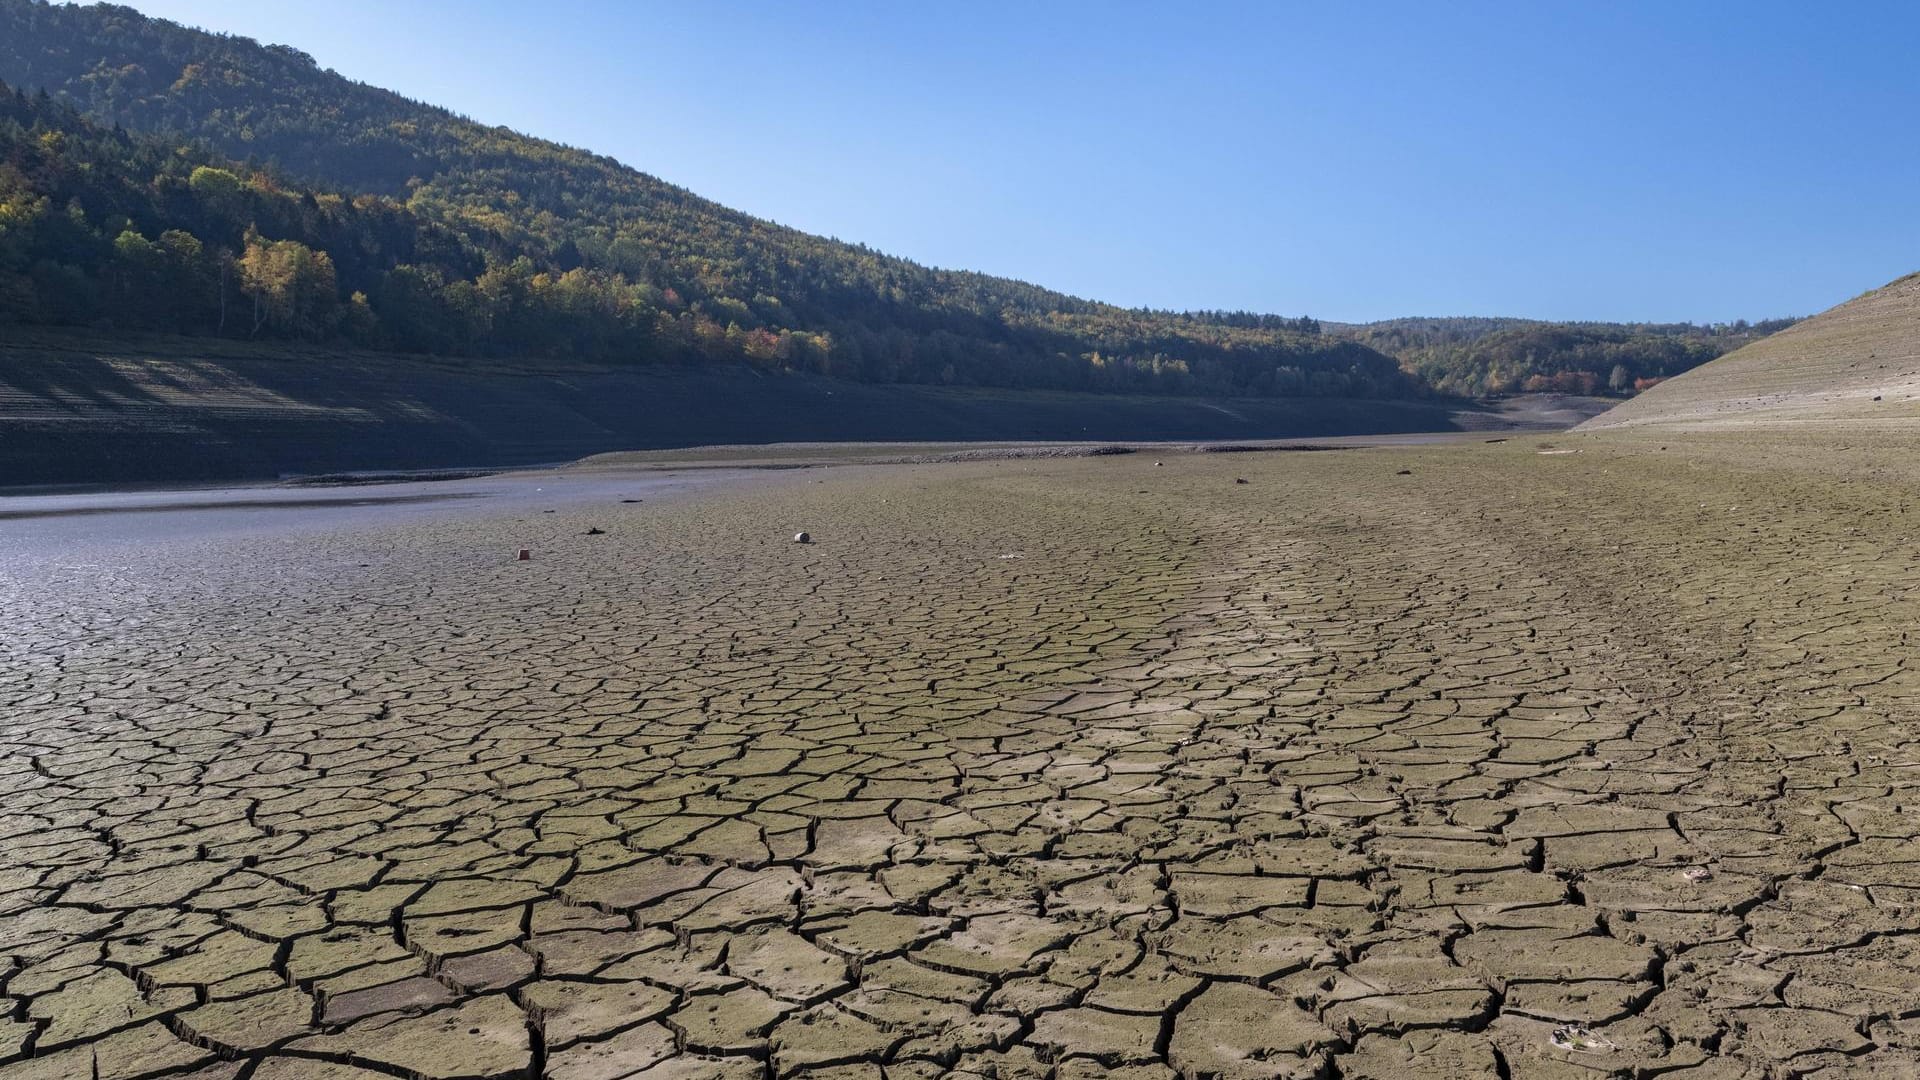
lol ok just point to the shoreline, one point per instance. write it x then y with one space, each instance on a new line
721 456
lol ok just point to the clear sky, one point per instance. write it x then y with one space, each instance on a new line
1663 161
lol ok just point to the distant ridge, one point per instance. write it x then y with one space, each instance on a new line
1859 361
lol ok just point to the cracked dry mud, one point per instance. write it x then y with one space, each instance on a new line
1337 772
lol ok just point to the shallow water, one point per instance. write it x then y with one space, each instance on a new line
35 528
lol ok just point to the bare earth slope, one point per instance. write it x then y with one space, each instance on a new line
1858 362
1381 764
180 410
78 411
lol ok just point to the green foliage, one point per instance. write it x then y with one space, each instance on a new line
465 239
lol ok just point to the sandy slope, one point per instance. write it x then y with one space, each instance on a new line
1858 362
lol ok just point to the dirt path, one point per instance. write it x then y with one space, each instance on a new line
1048 768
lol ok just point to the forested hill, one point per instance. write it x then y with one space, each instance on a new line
283 200
1492 356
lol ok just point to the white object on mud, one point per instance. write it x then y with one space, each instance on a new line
802 538
1580 1039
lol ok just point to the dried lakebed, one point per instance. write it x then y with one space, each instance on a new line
1454 762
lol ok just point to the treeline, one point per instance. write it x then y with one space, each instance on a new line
217 186
1490 357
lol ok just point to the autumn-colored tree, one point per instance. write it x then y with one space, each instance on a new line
293 287
762 346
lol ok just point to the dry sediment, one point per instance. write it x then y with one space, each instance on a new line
1058 768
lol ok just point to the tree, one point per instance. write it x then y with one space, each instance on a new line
219 189
292 286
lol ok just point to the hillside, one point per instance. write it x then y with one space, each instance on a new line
336 211
1859 361
346 212
341 278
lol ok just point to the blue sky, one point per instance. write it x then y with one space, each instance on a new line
1663 161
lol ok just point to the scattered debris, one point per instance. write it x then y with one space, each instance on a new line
1012 556
1556 451
595 530
802 538
525 555
1697 874
1580 1039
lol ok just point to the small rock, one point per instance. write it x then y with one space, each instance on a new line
802 538
1239 479
1404 472
525 554
596 530
1697 873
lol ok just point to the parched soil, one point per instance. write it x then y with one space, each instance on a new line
1563 757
